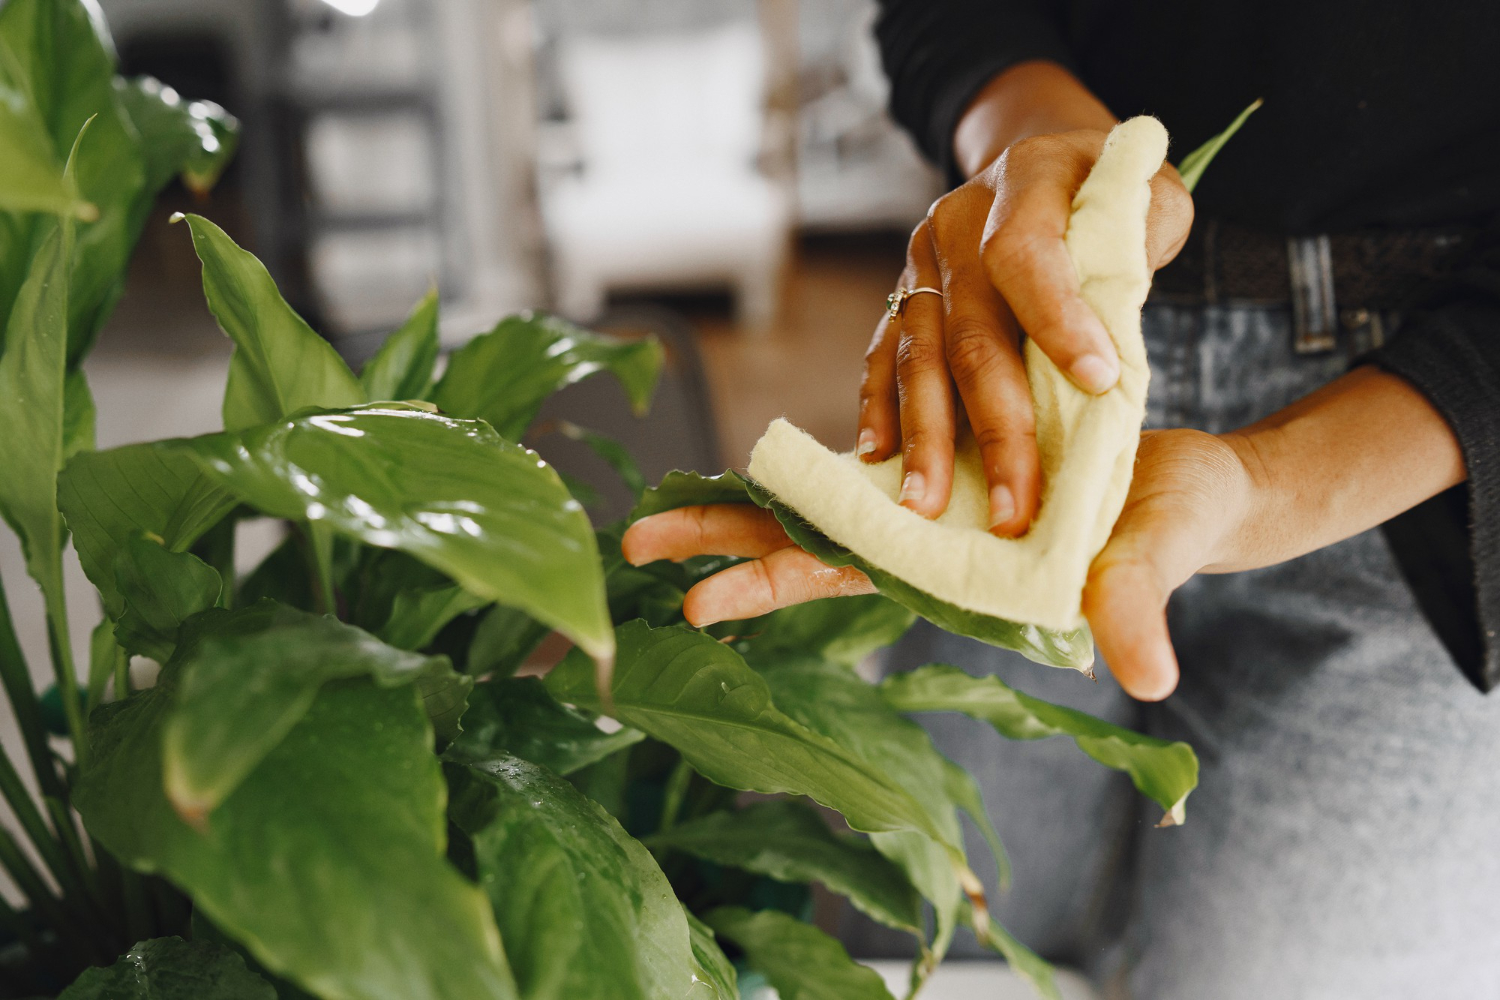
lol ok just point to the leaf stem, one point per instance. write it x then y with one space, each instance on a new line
61 645
16 679
675 794
321 539
30 819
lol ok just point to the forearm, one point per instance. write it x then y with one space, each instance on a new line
1346 458
1030 98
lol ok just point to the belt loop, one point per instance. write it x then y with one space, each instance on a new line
1314 313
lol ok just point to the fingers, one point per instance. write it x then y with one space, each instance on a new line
734 529
1126 608
1026 259
879 405
785 577
1170 219
925 389
984 358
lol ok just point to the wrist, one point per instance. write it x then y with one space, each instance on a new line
1037 97
1250 498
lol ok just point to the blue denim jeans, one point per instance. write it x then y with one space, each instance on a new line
1344 841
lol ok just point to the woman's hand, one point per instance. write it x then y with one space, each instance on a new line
995 248
1190 495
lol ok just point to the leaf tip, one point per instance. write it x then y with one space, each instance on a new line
86 211
176 217
1175 816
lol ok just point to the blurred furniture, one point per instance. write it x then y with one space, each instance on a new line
666 193
855 169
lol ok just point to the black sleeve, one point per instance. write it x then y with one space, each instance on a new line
1449 547
939 53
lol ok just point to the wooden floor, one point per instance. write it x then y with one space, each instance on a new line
806 367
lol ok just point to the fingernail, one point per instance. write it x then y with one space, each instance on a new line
866 443
1095 374
1002 505
913 487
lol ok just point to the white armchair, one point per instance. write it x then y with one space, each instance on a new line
668 128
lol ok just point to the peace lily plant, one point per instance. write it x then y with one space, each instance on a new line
339 787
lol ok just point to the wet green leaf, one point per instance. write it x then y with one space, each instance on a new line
452 493
78 414
402 368
194 140
327 862
713 967
583 909
1023 961
172 969
790 842
799 960
250 677
1164 772
162 589
504 376
517 717
279 365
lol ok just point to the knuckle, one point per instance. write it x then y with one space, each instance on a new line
1003 436
972 348
918 354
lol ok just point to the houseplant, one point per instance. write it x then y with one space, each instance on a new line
339 786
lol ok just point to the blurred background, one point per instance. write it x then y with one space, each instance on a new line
720 168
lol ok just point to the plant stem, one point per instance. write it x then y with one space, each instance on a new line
16 679
61 645
62 822
322 554
122 675
70 930
675 794
30 817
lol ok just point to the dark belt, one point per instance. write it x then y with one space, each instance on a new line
1346 280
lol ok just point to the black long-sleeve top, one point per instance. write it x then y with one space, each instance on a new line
1377 114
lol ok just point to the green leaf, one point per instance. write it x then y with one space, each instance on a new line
1192 166
78 414
191 139
34 180
1023 961
583 909
503 640
452 493
713 967
249 678
698 696
279 365
402 368
611 452
109 497
1073 648
790 842
517 717
162 589
835 703
1164 772
63 59
31 410
799 960
964 792
327 862
505 375
691 489
104 653
406 602
172 969
840 630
